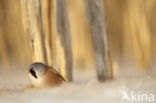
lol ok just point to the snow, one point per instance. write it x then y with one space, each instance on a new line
84 89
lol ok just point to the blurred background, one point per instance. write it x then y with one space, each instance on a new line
130 28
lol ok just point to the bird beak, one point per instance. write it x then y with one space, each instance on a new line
27 71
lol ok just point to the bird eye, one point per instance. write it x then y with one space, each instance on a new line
33 73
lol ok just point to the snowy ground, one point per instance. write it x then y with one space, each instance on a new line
84 89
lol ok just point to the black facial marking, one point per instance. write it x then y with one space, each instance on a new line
33 73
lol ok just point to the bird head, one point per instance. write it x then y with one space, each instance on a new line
36 69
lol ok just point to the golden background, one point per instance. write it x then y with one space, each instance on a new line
130 28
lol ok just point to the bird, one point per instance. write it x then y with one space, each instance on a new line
42 75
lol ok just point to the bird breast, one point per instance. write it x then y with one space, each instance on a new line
49 79
37 82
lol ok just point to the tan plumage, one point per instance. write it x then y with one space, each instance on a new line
42 75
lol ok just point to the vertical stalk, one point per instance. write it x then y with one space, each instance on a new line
95 16
63 40
36 21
